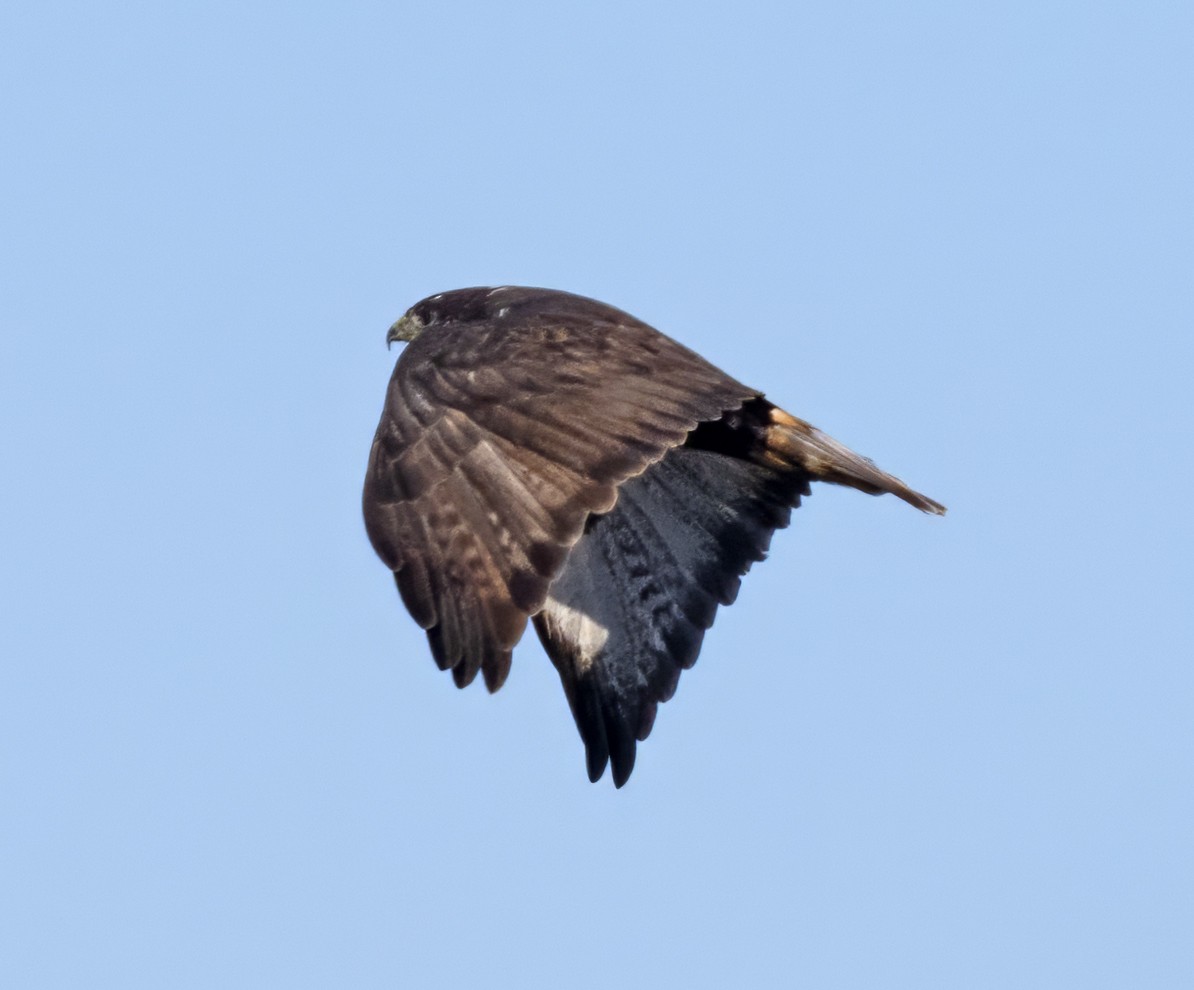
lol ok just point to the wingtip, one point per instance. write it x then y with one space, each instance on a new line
622 770
495 670
595 763
621 765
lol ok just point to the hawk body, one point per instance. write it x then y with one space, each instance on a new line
545 455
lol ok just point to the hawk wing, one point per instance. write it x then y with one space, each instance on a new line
504 429
631 606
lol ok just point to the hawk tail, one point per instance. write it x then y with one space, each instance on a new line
791 442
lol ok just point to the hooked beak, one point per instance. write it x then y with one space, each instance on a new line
405 329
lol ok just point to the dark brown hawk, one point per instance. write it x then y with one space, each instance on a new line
542 455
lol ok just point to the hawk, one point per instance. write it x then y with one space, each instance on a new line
545 456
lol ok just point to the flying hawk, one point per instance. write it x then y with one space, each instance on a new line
545 456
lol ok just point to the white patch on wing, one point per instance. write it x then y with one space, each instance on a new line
583 630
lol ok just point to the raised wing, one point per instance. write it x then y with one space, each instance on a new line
501 434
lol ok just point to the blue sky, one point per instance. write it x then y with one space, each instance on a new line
916 753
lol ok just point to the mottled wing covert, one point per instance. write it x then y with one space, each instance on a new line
513 416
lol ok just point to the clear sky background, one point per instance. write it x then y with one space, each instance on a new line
916 753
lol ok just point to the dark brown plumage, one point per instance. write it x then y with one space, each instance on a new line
542 455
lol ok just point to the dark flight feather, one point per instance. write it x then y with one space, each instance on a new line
542 454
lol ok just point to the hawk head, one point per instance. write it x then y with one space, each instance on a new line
485 304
